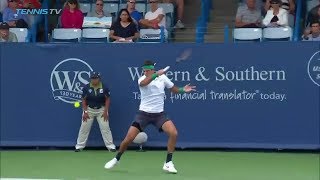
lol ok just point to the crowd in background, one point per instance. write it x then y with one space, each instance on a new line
127 22
277 13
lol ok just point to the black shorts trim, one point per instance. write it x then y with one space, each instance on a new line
136 125
160 129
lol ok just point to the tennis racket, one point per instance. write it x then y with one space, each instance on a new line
185 55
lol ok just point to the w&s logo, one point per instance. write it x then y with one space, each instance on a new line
68 78
314 68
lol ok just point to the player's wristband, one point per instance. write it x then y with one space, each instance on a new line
154 76
181 90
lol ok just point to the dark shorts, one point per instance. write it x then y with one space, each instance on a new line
143 119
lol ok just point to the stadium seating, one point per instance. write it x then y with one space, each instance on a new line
311 4
152 35
85 7
247 34
21 33
137 1
66 35
95 35
112 1
85 1
112 8
277 34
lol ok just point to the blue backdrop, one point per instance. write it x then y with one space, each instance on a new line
249 95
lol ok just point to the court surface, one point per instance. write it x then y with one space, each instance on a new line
191 165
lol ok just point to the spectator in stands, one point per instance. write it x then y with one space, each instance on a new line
71 16
155 18
180 5
12 18
248 16
312 34
5 34
124 29
276 16
313 14
311 18
135 15
98 12
288 5
30 4
3 5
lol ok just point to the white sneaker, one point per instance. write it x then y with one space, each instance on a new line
169 167
111 163
112 149
179 25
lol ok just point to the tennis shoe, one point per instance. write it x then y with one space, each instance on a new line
169 167
111 163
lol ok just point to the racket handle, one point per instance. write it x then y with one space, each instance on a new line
166 68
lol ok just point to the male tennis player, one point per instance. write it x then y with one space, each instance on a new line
152 85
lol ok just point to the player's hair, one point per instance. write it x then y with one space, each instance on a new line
148 63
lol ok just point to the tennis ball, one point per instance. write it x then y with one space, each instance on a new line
76 104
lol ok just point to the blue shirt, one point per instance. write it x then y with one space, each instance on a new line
136 15
95 98
10 15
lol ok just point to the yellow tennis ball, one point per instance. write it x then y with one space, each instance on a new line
76 104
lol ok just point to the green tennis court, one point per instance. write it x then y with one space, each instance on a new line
191 165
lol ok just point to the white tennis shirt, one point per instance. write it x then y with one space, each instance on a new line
152 95
152 15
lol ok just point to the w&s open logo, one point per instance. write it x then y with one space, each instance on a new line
314 68
68 78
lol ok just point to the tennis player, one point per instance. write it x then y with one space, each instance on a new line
152 85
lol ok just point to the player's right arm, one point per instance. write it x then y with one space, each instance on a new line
148 79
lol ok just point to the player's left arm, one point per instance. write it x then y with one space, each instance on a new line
175 89
186 89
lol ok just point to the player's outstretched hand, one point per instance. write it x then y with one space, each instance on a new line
187 88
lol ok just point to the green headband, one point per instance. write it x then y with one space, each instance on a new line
148 67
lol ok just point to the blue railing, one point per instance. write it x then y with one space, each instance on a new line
201 27
226 33
46 26
162 34
297 28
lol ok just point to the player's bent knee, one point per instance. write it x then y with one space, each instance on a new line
133 131
174 133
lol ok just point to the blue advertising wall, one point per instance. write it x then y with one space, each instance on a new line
248 95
